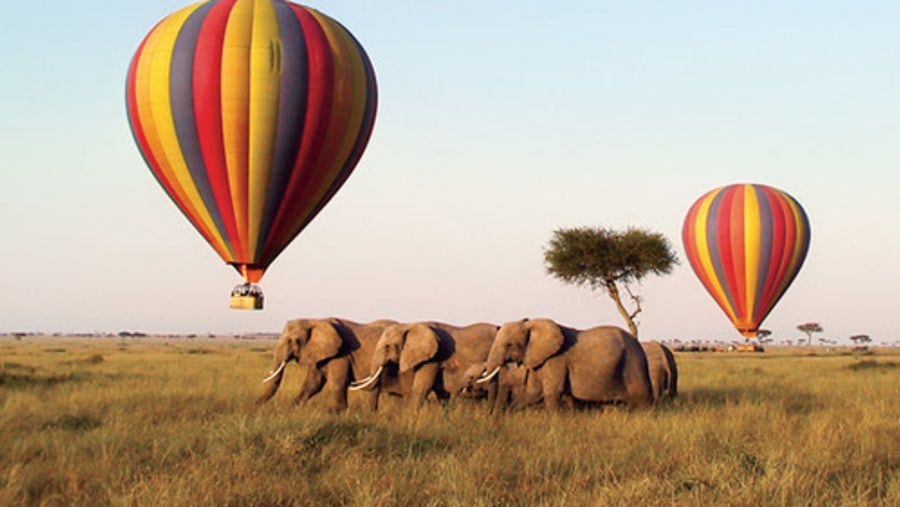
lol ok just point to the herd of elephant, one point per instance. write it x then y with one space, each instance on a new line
516 365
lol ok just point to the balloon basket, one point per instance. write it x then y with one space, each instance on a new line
247 297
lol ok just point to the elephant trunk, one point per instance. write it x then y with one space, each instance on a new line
273 381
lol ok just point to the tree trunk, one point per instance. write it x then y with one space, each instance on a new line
614 294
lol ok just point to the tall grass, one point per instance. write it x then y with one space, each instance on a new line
94 422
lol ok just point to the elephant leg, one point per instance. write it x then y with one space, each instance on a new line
423 383
313 383
336 383
373 398
529 393
554 386
338 394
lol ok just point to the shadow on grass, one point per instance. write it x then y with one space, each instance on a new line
29 377
14 380
870 364
74 423
792 401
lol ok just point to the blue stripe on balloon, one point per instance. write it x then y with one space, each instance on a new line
181 89
292 115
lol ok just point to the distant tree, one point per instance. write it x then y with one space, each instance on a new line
809 328
763 335
860 339
605 259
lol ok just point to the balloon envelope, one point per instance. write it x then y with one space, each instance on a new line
251 114
746 243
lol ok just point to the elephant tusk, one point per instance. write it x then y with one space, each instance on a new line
366 382
484 378
275 373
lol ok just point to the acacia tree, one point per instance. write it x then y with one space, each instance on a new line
605 259
809 328
860 339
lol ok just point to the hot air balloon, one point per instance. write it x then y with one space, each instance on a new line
251 114
746 243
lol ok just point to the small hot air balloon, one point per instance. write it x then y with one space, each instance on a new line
746 243
251 114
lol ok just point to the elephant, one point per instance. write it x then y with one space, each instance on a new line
416 359
505 388
603 364
663 370
335 351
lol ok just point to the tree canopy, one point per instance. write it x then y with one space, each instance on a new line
809 328
601 259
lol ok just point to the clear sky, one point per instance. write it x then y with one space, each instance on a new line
498 122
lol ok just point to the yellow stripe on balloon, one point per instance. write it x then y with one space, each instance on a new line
265 85
235 114
704 253
154 106
752 240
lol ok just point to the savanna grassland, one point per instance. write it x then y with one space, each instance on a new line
157 422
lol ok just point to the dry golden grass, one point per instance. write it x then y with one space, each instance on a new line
143 422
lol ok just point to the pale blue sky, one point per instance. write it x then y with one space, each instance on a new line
498 122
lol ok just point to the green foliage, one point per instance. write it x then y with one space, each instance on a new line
595 257
156 425
601 259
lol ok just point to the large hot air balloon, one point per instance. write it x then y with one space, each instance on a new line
746 243
251 114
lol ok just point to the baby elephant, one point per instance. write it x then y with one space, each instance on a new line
504 389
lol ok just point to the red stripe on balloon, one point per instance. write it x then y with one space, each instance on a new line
208 112
785 275
308 169
724 226
776 260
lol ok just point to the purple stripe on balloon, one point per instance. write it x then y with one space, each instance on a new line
291 115
181 88
712 240
766 229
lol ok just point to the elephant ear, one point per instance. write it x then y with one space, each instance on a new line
324 343
421 344
545 338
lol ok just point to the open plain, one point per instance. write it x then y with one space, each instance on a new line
153 421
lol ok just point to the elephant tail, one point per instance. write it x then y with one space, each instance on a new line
273 381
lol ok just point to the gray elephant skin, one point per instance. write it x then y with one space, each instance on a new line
603 364
334 351
416 359
663 370
507 388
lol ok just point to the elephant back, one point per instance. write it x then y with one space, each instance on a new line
607 364
362 339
